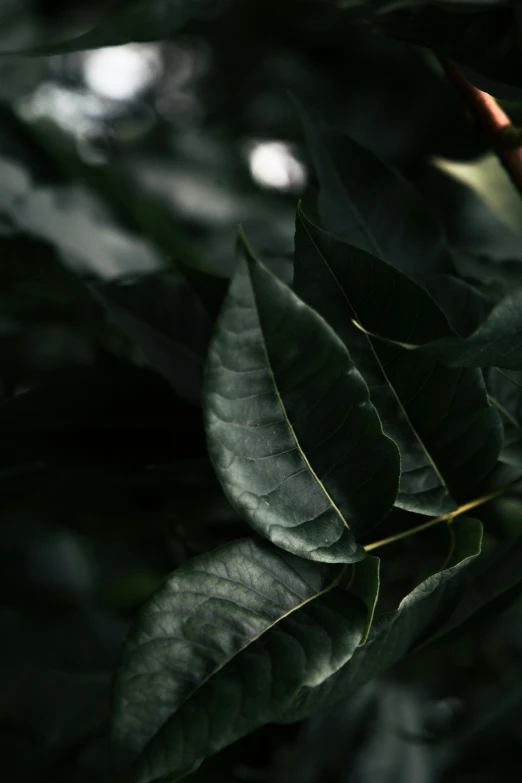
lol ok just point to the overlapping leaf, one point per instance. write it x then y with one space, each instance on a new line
497 342
294 438
419 615
448 433
225 646
365 202
505 393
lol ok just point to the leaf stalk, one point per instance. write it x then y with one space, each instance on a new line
444 518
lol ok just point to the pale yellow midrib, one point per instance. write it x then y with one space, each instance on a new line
391 386
296 439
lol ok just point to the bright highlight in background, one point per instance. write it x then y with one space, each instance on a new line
273 164
122 72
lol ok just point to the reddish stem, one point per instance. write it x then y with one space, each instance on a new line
490 119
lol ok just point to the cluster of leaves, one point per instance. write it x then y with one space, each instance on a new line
325 406
373 381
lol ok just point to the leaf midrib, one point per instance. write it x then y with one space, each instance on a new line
381 367
289 423
335 582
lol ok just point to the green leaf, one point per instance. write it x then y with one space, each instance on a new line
138 20
396 633
364 584
496 343
162 317
225 646
463 305
295 441
505 393
491 582
448 433
370 205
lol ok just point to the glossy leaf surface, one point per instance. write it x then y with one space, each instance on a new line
294 438
225 646
448 433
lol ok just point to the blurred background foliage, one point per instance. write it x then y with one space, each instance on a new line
124 173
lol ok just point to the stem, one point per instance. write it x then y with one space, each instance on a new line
492 121
444 518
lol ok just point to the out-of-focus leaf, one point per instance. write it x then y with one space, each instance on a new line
294 438
138 20
370 205
471 226
448 434
225 646
76 222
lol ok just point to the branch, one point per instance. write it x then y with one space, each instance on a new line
493 123
444 518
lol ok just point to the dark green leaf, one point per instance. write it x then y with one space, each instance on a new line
448 433
370 205
463 305
295 441
395 634
225 646
505 393
491 583
497 342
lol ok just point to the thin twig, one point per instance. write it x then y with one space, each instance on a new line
492 121
444 518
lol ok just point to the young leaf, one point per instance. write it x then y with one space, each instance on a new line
294 438
370 205
448 433
395 634
225 646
